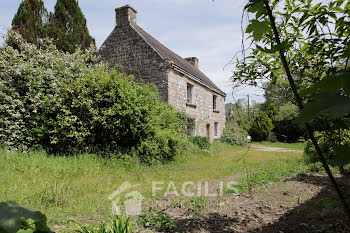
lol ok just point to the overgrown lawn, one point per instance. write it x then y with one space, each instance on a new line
78 187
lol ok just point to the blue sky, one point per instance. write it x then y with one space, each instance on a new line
205 29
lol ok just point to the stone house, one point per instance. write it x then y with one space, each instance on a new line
179 81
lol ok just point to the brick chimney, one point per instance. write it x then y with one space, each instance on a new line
125 14
194 61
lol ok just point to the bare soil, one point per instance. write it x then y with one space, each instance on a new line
303 204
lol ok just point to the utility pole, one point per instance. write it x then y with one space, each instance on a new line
248 108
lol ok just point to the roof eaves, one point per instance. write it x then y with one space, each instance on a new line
198 79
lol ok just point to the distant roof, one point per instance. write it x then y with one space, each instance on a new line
176 59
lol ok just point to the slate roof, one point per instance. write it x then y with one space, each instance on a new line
167 54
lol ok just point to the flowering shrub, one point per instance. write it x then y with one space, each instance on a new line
71 103
235 135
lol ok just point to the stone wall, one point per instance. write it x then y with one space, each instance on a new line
125 47
202 109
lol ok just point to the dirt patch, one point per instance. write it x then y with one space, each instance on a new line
303 204
274 149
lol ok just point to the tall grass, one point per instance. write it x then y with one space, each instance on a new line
78 187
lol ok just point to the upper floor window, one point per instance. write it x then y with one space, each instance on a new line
190 94
215 102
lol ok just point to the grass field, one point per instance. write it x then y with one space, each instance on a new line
78 187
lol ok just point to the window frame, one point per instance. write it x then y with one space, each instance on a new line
216 129
215 103
191 92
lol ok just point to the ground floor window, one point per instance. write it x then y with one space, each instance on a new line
216 129
208 131
191 131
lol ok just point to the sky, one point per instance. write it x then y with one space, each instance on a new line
206 29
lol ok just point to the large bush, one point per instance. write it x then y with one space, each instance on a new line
260 127
235 135
70 103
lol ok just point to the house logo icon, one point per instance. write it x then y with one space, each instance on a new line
132 200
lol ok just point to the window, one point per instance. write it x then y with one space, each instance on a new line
191 132
208 131
216 129
215 102
189 93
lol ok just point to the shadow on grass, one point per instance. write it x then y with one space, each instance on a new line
320 214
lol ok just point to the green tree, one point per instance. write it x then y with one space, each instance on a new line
260 127
31 20
71 32
271 111
308 43
286 128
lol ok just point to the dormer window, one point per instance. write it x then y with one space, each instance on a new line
215 102
190 99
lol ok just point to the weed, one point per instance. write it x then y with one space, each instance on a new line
157 220
177 204
78 183
117 224
56 195
195 206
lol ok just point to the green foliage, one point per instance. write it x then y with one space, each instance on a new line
70 103
71 32
237 113
271 171
286 128
156 220
277 93
14 218
188 123
260 127
31 20
67 25
313 37
336 152
271 111
235 135
117 224
201 142
195 206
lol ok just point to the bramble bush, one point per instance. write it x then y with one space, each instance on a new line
71 103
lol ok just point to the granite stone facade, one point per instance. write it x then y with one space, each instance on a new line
140 54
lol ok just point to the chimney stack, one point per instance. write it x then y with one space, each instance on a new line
194 61
125 15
